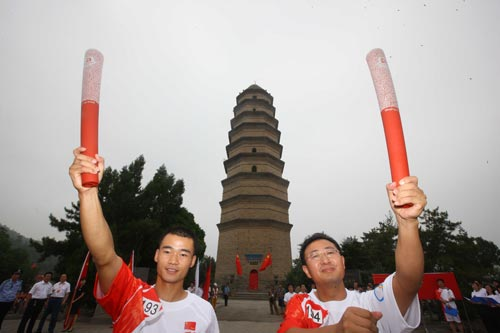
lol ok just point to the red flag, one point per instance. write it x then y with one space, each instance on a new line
206 285
266 263
83 276
131 262
239 270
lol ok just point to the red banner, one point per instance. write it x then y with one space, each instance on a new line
266 263
68 321
206 285
239 269
429 284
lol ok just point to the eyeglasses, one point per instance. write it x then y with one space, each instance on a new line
328 253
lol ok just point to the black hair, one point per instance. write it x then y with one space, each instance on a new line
52 274
181 231
439 280
314 237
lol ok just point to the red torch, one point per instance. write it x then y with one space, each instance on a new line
91 87
391 119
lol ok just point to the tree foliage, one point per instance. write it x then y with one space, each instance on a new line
137 217
375 252
296 276
447 248
12 258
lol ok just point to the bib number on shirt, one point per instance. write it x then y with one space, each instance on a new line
151 308
314 314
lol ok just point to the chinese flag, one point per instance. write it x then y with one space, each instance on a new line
68 321
239 270
266 263
190 325
206 285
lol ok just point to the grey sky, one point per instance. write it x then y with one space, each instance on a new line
173 69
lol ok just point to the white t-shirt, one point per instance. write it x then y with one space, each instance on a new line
60 289
41 290
447 294
287 296
495 297
190 315
380 299
480 293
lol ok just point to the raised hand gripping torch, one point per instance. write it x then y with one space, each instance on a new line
91 87
389 110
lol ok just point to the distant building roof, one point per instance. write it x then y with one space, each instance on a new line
254 86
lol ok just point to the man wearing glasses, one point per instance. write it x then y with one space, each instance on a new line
134 305
391 307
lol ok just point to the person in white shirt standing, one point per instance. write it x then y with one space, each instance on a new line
446 296
58 297
289 294
36 299
477 290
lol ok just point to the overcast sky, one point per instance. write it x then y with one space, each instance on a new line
173 69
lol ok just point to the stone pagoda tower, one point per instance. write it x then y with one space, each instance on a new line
254 207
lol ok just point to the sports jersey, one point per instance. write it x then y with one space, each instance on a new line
134 306
307 311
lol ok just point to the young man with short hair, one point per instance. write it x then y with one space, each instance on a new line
392 307
134 305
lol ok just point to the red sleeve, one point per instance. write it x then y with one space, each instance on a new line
294 314
124 286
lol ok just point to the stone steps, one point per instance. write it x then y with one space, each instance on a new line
249 295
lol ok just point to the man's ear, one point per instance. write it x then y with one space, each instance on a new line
306 271
156 255
193 261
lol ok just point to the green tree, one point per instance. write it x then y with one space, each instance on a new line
449 248
137 218
440 238
354 253
296 275
12 259
379 245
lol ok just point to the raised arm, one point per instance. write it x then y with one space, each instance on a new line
409 253
95 229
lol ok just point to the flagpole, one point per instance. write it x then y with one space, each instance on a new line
83 275
197 275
